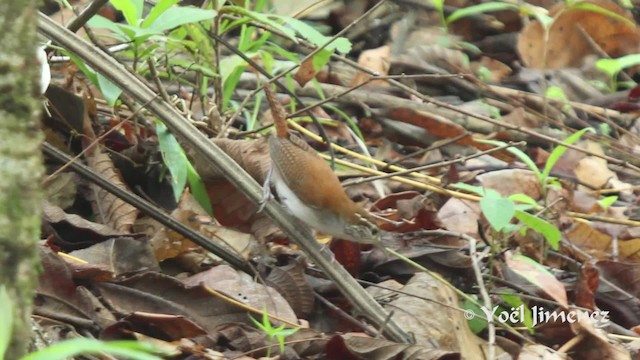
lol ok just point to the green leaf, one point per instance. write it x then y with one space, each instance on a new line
133 350
180 15
555 92
257 45
606 203
627 4
174 158
321 59
87 71
557 153
110 91
544 19
522 198
131 9
263 19
613 66
6 313
476 324
308 32
99 22
479 9
229 85
470 188
268 61
438 4
515 302
158 9
518 153
548 230
137 33
198 189
497 210
277 50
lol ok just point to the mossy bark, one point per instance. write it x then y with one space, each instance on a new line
21 167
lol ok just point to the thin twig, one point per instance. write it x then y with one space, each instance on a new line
436 165
86 14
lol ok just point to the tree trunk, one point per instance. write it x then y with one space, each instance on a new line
21 166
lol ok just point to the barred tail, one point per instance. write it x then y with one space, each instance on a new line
277 112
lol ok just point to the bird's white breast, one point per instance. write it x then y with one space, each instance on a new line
320 220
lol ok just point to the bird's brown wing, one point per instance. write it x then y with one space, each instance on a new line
308 175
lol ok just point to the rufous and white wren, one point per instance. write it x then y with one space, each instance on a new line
309 189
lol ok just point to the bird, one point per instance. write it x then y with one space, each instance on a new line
309 189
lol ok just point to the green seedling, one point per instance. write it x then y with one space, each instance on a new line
272 333
612 67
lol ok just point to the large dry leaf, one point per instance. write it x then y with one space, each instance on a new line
162 294
540 352
377 60
110 209
71 227
230 207
351 346
120 255
61 190
426 56
590 240
244 289
460 216
429 321
564 43
527 268
594 344
512 181
586 286
290 281
57 294
168 244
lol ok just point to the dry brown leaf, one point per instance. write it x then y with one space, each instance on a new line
54 215
305 72
120 256
522 118
230 207
61 190
544 281
594 171
169 244
377 60
163 294
363 347
565 45
244 289
428 320
110 209
291 282
497 69
592 241
512 181
594 344
540 352
421 56
629 250
586 286
460 216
